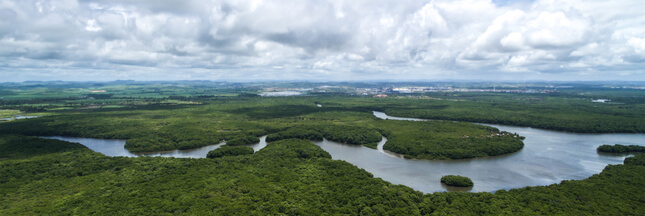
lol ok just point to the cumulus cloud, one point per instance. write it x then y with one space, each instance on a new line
321 40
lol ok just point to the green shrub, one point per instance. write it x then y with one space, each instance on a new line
230 151
244 140
457 181
638 160
295 132
618 148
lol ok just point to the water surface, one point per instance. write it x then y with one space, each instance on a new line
114 147
547 157
280 94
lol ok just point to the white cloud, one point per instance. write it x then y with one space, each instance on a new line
329 39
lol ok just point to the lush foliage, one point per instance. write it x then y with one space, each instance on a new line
457 181
350 134
293 177
618 148
539 111
639 160
448 140
230 151
241 120
16 147
165 116
243 140
294 148
287 177
296 132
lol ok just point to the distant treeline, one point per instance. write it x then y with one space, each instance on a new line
561 114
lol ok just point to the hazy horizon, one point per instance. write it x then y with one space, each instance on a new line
320 41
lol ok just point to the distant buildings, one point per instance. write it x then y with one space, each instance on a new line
380 96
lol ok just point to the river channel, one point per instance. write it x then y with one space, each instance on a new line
548 157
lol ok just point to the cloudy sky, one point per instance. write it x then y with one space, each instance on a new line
322 40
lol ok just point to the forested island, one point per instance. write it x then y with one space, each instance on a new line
457 181
618 148
291 175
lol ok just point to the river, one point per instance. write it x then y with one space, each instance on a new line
548 157
115 148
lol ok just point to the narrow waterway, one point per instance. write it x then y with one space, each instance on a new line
114 148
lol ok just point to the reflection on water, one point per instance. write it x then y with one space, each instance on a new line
547 157
115 148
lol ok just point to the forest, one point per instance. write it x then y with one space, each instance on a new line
457 181
618 148
230 151
291 175
538 111
241 120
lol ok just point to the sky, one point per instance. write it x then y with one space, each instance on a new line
322 40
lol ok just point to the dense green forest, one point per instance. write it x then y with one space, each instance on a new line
299 132
447 140
539 111
243 140
457 181
229 151
565 109
291 175
618 148
294 177
241 120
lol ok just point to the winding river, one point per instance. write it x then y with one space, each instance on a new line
548 157
115 148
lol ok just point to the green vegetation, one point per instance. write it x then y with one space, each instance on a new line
618 148
9 113
40 176
560 112
229 151
448 140
457 181
351 134
293 148
296 132
21 147
286 177
240 120
338 133
290 176
637 161
244 140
